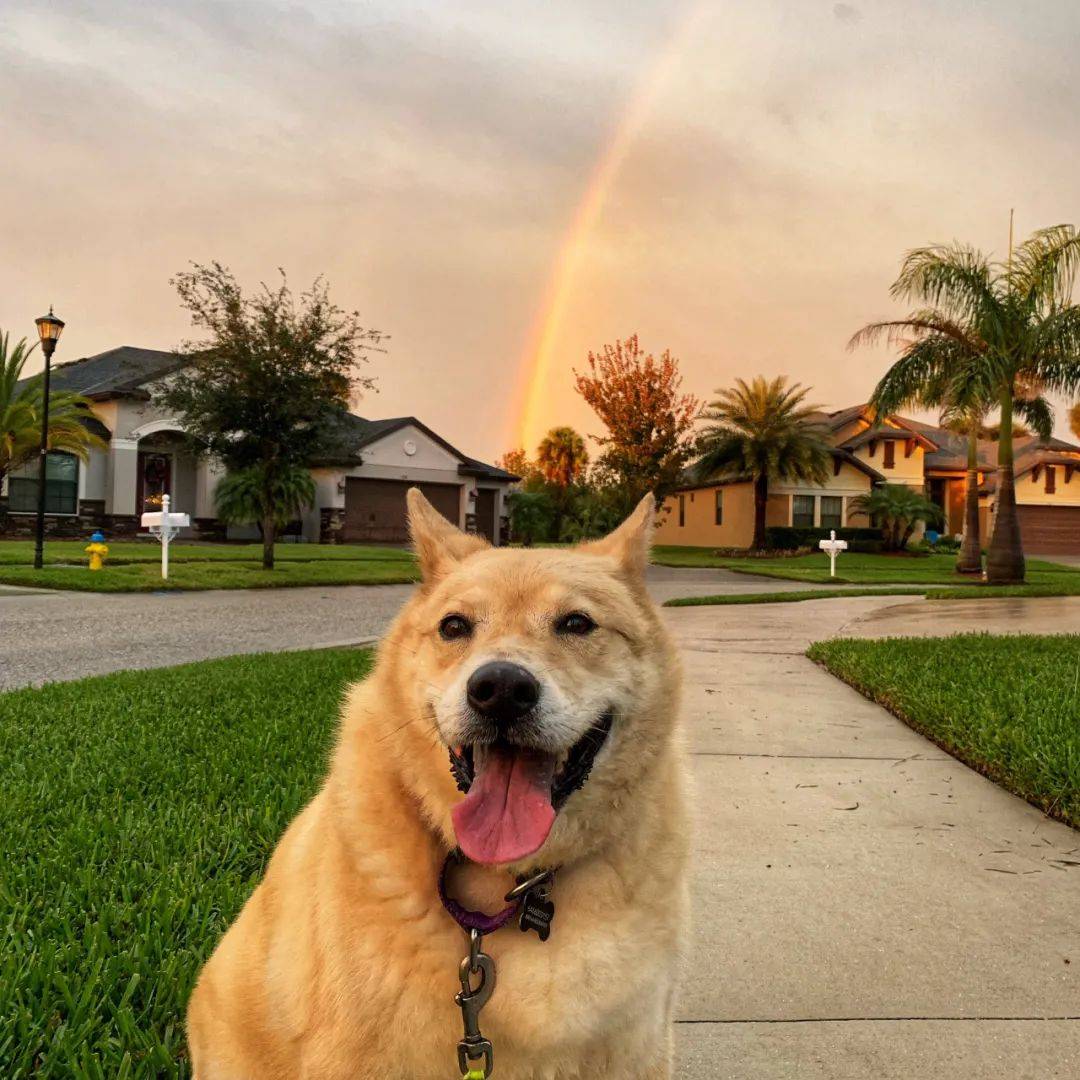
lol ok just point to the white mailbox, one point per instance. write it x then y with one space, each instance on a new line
832 547
165 525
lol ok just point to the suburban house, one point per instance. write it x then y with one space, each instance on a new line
866 451
361 483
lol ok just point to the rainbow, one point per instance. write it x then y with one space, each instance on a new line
538 361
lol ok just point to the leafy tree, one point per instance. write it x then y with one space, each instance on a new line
595 510
20 413
1010 326
764 431
241 497
898 509
261 392
1074 419
649 422
532 516
518 463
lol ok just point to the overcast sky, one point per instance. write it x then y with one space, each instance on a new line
430 159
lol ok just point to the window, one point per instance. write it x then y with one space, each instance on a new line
832 512
61 486
802 511
719 506
1051 480
682 511
889 460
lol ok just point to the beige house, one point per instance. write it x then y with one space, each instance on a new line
360 484
720 512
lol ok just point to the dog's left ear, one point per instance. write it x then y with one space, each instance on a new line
629 544
438 544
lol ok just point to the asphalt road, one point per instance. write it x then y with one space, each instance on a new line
48 636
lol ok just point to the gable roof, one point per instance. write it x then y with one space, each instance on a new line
119 372
690 483
352 433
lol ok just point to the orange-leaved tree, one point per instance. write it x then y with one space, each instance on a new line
649 420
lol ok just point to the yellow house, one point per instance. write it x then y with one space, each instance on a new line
868 451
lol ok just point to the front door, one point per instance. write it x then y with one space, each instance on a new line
486 524
155 479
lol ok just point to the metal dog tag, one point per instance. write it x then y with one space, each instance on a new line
537 911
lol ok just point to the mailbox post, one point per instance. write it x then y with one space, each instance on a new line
165 526
832 547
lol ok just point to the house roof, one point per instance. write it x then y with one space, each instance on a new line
877 434
125 370
724 479
119 372
354 432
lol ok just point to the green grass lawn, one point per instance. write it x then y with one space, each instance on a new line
1008 706
139 811
1043 578
135 567
21 552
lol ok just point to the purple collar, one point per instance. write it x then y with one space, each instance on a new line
478 920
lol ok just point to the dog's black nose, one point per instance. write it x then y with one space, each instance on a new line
502 691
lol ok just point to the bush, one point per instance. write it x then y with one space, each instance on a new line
866 541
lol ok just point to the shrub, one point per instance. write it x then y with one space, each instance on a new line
788 538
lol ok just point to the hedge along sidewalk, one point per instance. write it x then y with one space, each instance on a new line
789 597
1008 706
139 812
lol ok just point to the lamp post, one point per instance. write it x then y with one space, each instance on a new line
49 329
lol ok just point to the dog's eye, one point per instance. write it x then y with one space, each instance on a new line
454 627
575 623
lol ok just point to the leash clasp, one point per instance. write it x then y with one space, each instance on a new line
471 999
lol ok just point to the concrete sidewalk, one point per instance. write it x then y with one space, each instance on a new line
865 906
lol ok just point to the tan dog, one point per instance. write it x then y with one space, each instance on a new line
344 963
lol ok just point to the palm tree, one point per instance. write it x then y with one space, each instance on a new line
992 332
899 509
20 413
244 496
562 456
764 431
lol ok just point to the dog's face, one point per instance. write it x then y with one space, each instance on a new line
538 676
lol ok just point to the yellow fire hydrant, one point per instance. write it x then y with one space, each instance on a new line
97 549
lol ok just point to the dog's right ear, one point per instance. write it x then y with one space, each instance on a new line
437 543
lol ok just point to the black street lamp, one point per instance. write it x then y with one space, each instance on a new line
49 329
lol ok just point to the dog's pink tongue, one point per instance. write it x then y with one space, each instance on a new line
507 814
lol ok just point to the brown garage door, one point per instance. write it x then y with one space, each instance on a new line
1050 530
375 509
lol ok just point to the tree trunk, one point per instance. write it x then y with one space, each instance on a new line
1005 557
969 561
269 529
761 500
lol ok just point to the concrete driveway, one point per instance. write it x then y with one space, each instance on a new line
865 906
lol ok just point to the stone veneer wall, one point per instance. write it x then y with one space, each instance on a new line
91 518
